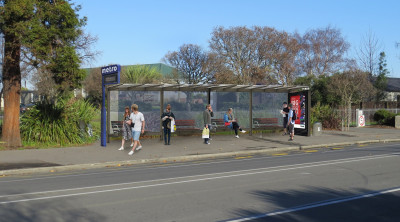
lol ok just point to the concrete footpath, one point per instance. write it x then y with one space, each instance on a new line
14 162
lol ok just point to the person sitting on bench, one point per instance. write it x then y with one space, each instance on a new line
231 122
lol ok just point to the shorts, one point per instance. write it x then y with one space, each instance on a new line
285 122
291 127
135 135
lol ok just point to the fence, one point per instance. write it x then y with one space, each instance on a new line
368 114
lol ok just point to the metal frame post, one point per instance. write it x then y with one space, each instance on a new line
251 112
308 113
161 111
209 96
108 114
103 139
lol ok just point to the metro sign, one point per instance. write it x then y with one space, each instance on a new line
110 69
111 74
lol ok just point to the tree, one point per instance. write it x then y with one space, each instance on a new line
93 87
319 90
45 32
381 78
322 51
279 50
368 53
255 55
237 49
351 86
190 62
1 66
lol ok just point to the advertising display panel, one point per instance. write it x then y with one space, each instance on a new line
299 101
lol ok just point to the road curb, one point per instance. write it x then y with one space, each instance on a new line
178 158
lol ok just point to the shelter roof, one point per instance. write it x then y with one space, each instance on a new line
206 87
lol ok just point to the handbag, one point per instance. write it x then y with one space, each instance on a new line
133 122
227 123
173 126
130 123
206 133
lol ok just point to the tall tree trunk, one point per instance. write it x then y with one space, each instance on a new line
12 90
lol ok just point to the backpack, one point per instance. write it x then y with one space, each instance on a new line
294 115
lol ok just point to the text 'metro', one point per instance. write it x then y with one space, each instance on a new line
109 69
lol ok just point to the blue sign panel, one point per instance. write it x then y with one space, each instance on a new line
111 74
110 69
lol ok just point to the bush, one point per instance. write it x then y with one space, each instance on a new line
326 115
384 117
63 123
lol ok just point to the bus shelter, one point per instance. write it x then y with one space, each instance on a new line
255 106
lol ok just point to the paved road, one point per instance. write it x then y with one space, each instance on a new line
359 183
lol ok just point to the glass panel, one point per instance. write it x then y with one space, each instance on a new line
268 105
238 101
187 105
148 102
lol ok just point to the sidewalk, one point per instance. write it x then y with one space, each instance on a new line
181 148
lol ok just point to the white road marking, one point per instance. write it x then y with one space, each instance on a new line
207 177
319 204
183 165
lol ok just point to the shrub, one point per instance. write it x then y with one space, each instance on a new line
384 117
326 115
63 123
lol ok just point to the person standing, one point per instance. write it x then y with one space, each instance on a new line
285 112
166 117
207 114
126 128
231 122
138 119
290 124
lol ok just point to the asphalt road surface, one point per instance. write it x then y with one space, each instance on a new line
357 183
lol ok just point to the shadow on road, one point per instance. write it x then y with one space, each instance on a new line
48 210
377 208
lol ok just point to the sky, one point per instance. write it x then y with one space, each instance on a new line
141 32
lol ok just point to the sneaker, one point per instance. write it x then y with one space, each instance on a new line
131 144
208 143
284 134
139 148
290 139
121 148
243 131
237 136
131 153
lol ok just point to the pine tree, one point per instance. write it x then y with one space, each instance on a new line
381 78
44 32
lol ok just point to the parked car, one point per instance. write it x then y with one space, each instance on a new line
23 108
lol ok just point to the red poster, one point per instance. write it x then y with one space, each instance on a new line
295 101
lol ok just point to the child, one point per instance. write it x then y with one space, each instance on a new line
206 134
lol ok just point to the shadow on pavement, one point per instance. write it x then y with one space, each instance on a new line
11 166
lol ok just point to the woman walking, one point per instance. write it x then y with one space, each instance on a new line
166 117
231 122
126 128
